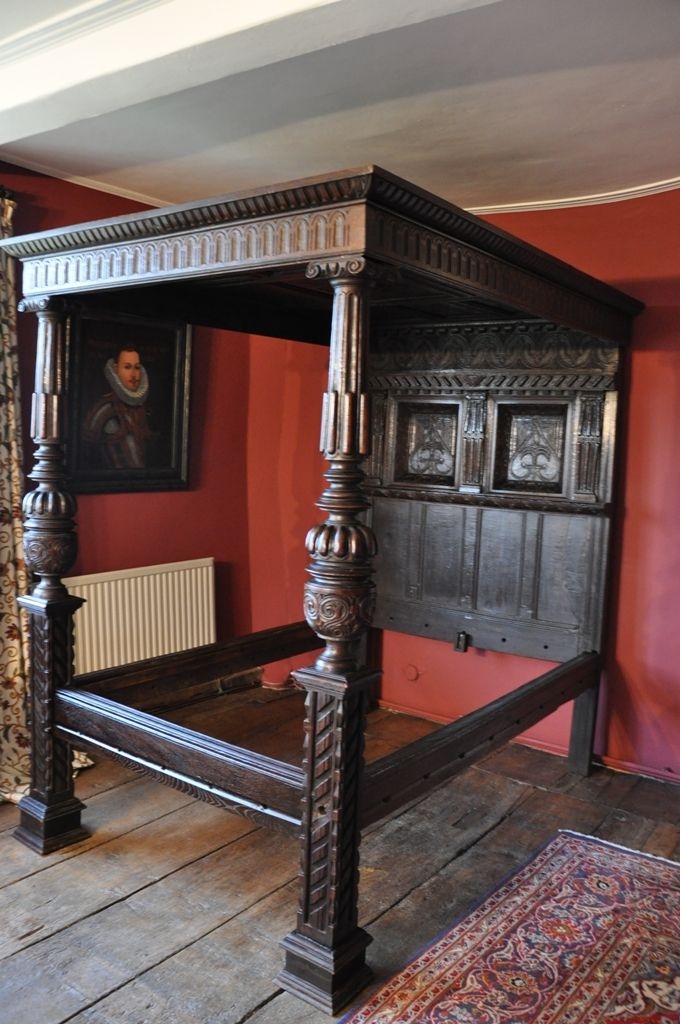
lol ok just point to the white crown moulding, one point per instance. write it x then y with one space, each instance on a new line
81 19
595 199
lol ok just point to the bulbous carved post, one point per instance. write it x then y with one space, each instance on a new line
325 955
50 814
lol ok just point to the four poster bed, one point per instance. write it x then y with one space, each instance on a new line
469 429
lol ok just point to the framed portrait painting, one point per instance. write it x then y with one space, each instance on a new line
128 405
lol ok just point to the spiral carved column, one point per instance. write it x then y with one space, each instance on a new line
325 955
50 814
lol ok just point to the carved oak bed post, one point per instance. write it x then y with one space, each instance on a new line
50 813
325 955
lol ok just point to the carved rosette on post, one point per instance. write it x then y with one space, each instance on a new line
50 814
325 955
339 600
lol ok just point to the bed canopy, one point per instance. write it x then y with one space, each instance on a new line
468 427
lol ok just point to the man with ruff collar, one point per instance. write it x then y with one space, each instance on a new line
117 422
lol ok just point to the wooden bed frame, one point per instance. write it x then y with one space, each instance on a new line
304 261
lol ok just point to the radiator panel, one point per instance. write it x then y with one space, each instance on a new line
132 614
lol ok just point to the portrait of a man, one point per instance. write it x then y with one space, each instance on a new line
117 425
129 386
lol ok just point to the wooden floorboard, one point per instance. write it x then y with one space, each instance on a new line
171 911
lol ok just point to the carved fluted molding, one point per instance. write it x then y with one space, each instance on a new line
49 509
339 597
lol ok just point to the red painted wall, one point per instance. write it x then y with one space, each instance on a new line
285 477
632 245
255 470
250 504
117 531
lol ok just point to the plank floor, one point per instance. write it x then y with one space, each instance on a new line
171 911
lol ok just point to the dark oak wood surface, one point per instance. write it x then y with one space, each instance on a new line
343 259
172 910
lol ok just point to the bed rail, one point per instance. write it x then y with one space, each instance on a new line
173 679
399 777
255 786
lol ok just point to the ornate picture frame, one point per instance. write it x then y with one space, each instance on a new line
129 390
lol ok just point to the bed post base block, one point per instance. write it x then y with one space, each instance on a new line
327 978
47 827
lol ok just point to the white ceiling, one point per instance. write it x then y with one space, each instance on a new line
491 103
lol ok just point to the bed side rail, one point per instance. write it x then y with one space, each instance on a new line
253 785
393 780
173 679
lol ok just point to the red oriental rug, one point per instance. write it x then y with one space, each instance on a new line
585 933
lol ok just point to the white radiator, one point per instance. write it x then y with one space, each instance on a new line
140 613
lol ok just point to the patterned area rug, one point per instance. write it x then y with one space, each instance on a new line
585 933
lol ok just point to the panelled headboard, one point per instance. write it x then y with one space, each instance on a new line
491 480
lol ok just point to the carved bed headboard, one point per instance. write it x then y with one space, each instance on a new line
491 481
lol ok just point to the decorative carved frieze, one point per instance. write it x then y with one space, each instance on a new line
541 350
401 197
450 260
445 382
274 241
193 217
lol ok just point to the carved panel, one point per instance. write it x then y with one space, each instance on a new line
589 445
472 468
426 443
530 448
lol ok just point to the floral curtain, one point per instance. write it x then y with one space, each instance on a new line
14 734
